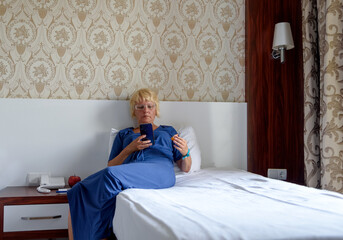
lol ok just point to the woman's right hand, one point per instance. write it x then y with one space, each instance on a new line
135 145
138 144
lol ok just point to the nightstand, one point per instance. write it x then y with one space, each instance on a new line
25 213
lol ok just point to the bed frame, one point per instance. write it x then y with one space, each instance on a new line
66 137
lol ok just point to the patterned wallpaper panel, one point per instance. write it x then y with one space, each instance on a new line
187 50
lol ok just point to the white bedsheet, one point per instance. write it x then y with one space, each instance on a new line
224 204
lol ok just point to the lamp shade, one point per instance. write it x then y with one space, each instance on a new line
283 36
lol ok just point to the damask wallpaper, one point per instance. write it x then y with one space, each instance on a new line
187 50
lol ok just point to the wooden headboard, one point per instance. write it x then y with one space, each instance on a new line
66 137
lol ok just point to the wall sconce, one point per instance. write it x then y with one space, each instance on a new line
283 40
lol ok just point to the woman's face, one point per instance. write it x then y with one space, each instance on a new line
145 111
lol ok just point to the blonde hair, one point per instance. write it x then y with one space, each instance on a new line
144 94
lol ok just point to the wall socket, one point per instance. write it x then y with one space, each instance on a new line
280 174
33 178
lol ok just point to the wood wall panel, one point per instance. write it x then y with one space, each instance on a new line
274 91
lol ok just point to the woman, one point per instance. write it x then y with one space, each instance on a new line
133 163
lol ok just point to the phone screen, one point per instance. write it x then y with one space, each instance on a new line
146 129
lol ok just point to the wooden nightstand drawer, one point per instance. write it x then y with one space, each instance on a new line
26 202
35 217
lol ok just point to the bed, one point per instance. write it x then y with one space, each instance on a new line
220 199
221 203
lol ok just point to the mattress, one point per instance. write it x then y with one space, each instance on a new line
228 204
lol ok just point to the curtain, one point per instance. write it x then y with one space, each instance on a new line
323 93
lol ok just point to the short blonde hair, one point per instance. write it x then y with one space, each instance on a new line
144 94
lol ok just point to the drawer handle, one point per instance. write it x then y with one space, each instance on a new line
41 218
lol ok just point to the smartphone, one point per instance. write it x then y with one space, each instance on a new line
146 129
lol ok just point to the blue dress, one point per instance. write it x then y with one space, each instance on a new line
92 201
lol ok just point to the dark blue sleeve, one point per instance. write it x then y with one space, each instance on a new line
117 145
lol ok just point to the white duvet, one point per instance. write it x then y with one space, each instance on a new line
224 204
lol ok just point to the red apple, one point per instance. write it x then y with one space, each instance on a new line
73 180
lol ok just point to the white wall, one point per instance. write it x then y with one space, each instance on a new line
66 137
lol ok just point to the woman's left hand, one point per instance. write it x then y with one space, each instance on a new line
180 144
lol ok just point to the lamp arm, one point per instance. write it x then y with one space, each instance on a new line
280 53
275 54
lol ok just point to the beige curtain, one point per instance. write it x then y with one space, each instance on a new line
323 93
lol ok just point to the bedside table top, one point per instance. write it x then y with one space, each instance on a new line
13 194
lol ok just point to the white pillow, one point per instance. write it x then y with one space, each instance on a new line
188 134
113 135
